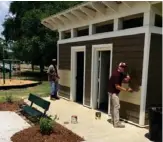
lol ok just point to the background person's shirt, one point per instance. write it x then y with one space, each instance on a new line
116 78
51 73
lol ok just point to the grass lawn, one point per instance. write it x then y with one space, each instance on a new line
41 90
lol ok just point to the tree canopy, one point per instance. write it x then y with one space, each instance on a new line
32 42
4 49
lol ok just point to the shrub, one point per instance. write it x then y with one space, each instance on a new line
9 98
47 125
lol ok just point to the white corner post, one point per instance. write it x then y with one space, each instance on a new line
148 21
149 18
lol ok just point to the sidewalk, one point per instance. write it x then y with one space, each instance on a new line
91 129
10 123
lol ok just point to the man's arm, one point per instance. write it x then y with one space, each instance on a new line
123 89
120 87
56 71
115 79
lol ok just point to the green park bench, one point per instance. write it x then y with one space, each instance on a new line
39 102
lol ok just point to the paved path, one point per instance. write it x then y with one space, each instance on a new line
10 123
94 130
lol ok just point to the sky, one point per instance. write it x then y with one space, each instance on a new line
4 8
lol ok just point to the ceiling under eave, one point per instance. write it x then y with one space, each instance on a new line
85 11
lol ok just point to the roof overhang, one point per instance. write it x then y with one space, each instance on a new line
87 11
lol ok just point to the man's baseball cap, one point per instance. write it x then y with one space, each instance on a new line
122 64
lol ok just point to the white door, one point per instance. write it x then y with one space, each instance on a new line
104 70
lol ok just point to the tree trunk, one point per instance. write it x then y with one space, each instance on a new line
32 67
41 71
41 68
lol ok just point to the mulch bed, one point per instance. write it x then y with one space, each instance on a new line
15 106
32 134
15 82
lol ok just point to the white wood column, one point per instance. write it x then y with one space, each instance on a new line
61 35
149 18
92 29
148 21
73 33
118 25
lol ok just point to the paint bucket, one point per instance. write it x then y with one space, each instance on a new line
98 115
66 122
74 119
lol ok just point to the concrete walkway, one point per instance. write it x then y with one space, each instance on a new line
10 123
91 129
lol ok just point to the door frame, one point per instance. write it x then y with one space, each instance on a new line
94 71
74 50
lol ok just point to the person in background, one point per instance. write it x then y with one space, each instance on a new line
53 78
114 88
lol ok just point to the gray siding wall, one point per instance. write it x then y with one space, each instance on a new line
125 48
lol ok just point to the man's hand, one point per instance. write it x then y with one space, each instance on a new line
120 88
127 79
129 90
123 89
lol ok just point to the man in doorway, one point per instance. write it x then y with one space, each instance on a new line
115 86
53 78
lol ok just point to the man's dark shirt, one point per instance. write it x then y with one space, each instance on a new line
116 78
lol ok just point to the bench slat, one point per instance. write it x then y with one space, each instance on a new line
39 101
31 111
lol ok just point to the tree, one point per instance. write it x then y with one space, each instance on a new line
32 41
3 49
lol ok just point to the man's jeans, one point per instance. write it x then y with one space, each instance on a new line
54 88
114 106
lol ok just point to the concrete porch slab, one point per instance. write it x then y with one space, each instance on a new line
91 129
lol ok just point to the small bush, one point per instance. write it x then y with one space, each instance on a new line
9 98
47 125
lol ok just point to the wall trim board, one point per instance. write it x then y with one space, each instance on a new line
132 31
74 50
94 68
